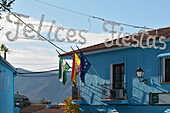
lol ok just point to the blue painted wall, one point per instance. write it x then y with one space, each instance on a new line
137 92
17 110
6 97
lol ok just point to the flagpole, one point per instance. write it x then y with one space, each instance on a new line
71 48
58 52
94 69
63 58
88 70
91 65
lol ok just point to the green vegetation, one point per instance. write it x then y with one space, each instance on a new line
7 4
69 107
4 49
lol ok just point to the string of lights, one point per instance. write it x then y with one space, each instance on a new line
91 16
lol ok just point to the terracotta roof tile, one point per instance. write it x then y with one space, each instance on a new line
160 32
41 108
33 108
18 96
53 109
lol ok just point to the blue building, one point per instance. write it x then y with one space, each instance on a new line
134 78
7 73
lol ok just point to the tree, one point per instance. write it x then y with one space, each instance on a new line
6 4
69 107
4 49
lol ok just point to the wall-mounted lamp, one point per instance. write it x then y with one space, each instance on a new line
140 73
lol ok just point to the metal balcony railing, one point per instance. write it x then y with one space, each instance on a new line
113 91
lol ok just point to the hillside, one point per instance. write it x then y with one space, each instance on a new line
37 88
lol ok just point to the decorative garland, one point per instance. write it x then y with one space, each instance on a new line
69 34
127 37
72 33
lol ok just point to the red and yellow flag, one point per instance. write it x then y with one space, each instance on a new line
75 68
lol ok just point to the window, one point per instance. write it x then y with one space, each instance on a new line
118 76
8 83
167 70
165 73
164 70
2 80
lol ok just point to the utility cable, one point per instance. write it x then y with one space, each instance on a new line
92 76
62 8
33 29
47 68
95 17
89 24
38 75
34 64
97 73
38 72
46 38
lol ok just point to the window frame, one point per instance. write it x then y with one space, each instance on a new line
112 76
162 69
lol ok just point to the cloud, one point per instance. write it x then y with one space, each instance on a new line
28 51
32 55
92 38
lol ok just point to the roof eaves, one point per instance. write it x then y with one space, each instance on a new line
160 32
8 64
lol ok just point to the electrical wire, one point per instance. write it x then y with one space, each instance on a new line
38 75
89 24
47 68
62 8
43 38
95 17
33 29
38 72
34 64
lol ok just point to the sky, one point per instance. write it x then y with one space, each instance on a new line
37 55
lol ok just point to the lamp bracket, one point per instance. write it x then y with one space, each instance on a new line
144 80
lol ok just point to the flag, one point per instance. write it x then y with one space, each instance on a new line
75 67
63 68
85 65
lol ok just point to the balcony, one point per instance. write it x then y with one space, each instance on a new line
114 93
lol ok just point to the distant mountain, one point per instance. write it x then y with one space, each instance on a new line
37 88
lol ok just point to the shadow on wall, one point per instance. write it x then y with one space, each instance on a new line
89 96
140 93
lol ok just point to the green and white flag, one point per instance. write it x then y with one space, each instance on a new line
63 68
